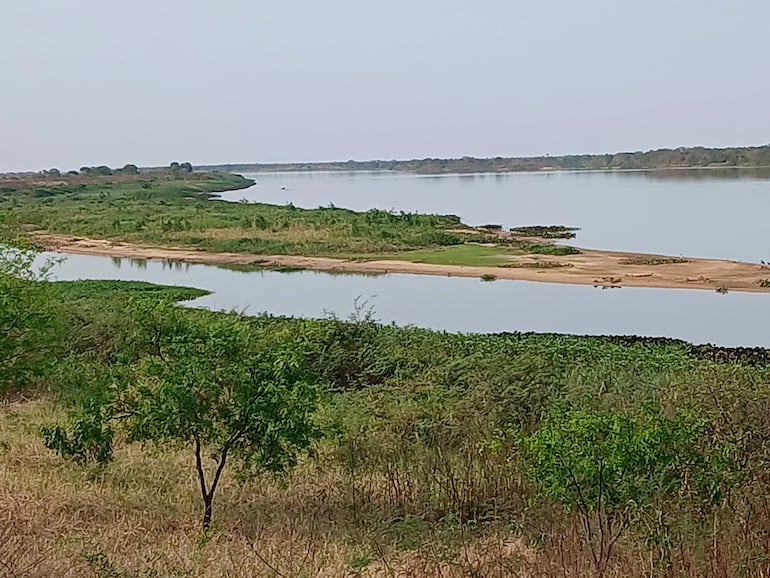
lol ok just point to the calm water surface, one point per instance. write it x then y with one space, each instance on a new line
694 213
458 304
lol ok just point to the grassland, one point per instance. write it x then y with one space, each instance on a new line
162 210
422 470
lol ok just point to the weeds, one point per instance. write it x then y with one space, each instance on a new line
536 265
653 261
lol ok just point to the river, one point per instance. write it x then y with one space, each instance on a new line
692 213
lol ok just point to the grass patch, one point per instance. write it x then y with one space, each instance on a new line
75 291
469 255
536 265
545 249
473 254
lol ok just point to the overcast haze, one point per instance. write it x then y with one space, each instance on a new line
88 82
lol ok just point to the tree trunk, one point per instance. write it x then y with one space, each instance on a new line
207 511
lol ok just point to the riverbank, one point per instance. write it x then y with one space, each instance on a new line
606 269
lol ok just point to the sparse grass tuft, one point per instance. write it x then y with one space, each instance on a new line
653 261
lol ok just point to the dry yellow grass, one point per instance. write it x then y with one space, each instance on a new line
139 518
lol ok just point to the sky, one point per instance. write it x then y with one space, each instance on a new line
89 82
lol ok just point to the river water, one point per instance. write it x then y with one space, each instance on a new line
692 213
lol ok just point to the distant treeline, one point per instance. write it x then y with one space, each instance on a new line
695 157
174 168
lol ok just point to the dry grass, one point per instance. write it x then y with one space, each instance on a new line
139 517
295 233
652 261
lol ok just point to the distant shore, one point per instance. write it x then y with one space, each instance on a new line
756 157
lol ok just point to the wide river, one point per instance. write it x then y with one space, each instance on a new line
692 213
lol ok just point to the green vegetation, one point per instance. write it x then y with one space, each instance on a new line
611 467
472 255
693 157
177 208
653 261
475 254
536 265
30 322
546 232
215 386
361 449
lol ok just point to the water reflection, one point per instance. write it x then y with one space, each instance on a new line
706 174
141 264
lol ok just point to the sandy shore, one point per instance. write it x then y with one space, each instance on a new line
590 267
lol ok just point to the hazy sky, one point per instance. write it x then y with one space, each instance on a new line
148 82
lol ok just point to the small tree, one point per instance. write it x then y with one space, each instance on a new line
609 466
30 315
215 384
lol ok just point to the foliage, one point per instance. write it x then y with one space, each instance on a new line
211 384
653 159
652 261
87 440
547 232
610 466
433 440
30 317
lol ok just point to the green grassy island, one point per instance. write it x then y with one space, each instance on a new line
171 208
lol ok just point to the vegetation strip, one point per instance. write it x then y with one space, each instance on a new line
662 159
143 439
